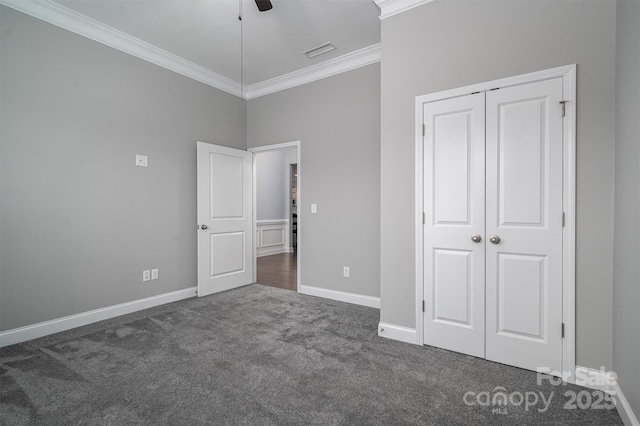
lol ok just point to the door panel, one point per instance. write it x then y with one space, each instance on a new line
227 253
454 210
225 218
226 183
524 209
452 282
451 158
522 288
521 162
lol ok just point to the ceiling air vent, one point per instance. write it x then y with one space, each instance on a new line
327 47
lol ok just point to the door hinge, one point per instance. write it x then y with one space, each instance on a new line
563 219
423 306
424 130
424 218
564 111
563 330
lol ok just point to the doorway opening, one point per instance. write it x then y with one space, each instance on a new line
277 184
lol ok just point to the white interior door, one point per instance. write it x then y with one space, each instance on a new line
524 210
454 213
225 218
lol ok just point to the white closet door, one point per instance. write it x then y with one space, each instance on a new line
454 205
524 210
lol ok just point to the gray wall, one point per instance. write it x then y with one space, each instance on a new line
271 196
626 259
79 222
446 44
337 122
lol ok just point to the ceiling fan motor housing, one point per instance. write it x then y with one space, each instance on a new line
264 5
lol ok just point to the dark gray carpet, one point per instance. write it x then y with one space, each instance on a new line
259 356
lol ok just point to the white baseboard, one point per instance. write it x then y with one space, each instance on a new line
607 381
356 299
29 332
624 409
397 332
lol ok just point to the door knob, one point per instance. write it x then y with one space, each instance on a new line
204 227
476 238
494 239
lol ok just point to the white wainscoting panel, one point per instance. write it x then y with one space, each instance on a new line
272 237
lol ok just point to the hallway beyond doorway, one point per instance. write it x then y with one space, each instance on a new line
278 270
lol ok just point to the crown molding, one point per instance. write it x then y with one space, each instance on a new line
73 21
350 61
70 20
393 7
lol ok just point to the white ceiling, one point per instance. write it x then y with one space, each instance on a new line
207 32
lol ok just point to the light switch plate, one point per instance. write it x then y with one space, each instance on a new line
142 161
346 272
154 274
314 208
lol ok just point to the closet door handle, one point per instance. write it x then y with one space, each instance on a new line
204 227
494 239
476 238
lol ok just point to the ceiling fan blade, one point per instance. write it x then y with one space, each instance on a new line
263 5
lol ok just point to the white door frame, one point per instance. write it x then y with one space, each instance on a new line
568 75
276 147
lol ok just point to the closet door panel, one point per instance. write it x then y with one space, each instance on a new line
524 215
454 212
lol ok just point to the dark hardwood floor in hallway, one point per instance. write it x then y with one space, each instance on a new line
278 270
